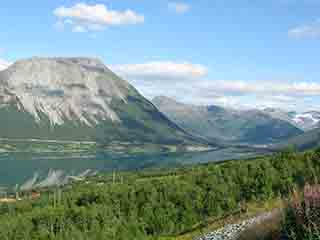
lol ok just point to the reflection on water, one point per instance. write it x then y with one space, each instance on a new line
54 178
20 167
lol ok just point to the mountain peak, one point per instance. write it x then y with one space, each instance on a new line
62 89
78 99
85 62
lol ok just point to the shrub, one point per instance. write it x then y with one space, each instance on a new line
302 219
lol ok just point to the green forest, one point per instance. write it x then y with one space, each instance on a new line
156 204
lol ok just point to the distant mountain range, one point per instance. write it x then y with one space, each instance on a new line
78 99
305 121
228 125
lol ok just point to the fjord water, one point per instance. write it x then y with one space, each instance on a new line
16 168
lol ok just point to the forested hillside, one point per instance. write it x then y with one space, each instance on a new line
155 203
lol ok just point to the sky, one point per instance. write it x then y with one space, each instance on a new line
239 54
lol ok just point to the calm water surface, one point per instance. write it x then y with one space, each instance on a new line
16 168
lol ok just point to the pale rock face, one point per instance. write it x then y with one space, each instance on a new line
63 89
4 64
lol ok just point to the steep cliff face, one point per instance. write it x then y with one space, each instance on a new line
63 89
77 99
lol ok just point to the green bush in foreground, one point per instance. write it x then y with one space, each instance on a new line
149 205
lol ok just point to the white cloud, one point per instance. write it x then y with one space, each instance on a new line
79 29
272 88
179 7
83 17
4 64
226 101
308 31
257 94
161 71
188 75
188 83
283 98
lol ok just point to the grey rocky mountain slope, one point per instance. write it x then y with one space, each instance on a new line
305 120
227 125
277 113
62 89
78 99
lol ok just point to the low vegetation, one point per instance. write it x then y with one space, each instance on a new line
157 204
302 216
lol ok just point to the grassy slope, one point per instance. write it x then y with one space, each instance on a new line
308 140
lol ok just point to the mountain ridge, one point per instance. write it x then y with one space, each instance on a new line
78 99
306 120
227 125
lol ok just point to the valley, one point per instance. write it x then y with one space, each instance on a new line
159 120
117 128
79 99
89 141
180 202
227 125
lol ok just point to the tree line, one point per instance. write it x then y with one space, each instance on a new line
155 204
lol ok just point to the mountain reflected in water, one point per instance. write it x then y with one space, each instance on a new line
46 169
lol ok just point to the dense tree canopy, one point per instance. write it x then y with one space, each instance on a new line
154 203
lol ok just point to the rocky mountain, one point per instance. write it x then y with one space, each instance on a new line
78 99
305 121
227 125
277 113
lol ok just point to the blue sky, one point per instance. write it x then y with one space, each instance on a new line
234 53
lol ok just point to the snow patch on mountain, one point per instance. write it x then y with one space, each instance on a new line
307 120
63 89
300 118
